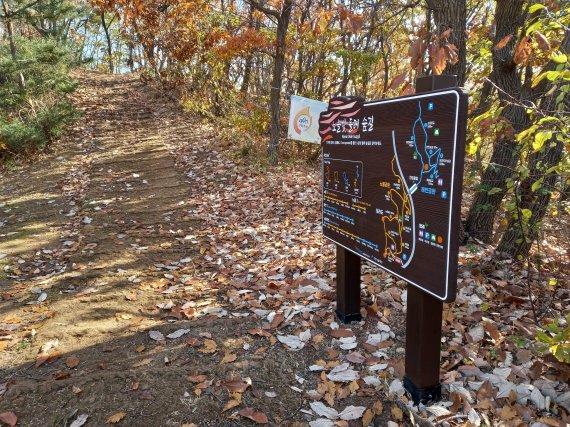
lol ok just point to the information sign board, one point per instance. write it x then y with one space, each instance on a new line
392 179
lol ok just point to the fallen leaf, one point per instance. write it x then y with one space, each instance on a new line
229 358
178 333
210 347
258 417
9 418
397 413
231 404
114 419
341 333
237 386
80 420
352 413
75 389
156 335
197 378
323 410
143 362
72 362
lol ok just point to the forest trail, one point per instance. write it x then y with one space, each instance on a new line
138 226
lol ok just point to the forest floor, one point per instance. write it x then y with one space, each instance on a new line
149 277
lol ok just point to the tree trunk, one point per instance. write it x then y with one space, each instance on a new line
109 44
277 81
521 233
11 41
453 14
509 17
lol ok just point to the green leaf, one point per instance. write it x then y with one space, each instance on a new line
526 213
539 139
494 190
536 7
559 57
537 184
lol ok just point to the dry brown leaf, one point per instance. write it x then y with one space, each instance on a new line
231 404
115 418
258 417
503 42
397 413
197 378
9 418
140 348
237 386
75 389
229 358
522 51
368 417
378 408
143 362
277 320
259 332
398 80
72 362
542 41
210 347
341 333
507 413
189 425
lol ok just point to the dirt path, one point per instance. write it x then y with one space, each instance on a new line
108 239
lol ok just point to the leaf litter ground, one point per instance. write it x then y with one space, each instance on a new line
165 282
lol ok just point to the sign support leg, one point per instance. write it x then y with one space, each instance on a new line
347 285
424 312
423 340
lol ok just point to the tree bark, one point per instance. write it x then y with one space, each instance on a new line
520 234
453 14
109 43
509 17
283 17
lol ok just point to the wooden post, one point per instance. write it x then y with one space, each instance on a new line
424 312
347 285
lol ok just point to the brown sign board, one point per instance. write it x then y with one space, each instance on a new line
392 183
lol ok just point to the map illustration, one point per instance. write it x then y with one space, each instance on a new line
390 171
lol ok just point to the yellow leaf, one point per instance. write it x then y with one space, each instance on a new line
114 419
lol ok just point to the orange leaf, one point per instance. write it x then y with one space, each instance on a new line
341 333
8 418
522 51
114 419
503 42
258 417
72 362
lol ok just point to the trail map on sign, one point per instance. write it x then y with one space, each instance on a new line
392 176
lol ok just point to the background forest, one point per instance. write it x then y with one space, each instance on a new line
236 62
